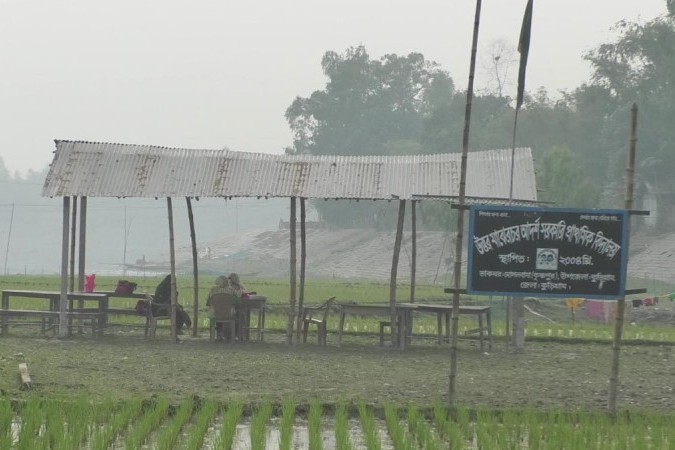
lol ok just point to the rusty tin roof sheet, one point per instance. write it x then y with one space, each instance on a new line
96 169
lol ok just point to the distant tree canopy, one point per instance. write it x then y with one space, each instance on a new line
369 107
408 105
639 67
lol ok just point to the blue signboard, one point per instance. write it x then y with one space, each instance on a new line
547 252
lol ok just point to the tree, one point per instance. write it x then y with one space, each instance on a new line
639 67
367 104
4 173
563 181
368 107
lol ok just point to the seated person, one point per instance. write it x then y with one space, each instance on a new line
236 286
221 286
162 305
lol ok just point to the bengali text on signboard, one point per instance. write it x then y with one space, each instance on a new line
547 252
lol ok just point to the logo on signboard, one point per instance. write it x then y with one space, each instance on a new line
547 259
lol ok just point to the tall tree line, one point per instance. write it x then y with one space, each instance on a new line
407 105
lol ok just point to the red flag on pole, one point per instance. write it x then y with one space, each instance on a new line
524 49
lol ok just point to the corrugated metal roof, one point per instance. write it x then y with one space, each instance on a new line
96 169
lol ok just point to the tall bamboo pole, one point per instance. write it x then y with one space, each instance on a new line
293 275
172 258
621 303
413 262
392 279
63 298
82 244
73 236
9 238
195 268
452 396
303 260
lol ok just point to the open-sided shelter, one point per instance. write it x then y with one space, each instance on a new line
80 170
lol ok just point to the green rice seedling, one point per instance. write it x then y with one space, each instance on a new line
314 425
487 434
286 425
398 435
148 422
259 425
440 418
452 431
204 418
126 413
168 438
78 418
229 426
55 415
32 422
341 428
6 418
419 427
369 427
464 422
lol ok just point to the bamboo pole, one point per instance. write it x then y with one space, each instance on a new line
82 245
195 268
452 396
413 262
514 305
293 275
303 258
73 236
9 238
172 258
394 271
621 303
63 299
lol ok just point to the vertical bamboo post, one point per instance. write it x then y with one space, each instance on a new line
63 299
621 303
9 238
413 262
172 258
82 244
392 280
73 236
303 258
293 275
195 269
452 396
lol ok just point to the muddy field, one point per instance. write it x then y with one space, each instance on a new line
123 364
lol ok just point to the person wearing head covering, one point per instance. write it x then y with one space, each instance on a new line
162 300
220 286
236 286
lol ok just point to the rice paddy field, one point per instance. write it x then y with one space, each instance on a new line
123 391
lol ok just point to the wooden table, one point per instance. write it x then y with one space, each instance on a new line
257 304
402 311
52 313
444 312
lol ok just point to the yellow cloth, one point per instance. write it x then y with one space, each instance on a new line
574 303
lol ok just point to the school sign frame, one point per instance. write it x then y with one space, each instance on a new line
547 252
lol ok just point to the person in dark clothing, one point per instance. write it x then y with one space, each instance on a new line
162 304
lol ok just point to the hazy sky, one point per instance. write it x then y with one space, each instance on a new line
215 73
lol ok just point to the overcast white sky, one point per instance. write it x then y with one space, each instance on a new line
215 73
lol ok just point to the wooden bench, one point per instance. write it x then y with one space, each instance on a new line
50 319
124 311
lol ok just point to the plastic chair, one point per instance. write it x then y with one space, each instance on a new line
151 319
224 313
316 315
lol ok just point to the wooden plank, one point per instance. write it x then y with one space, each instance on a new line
25 376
